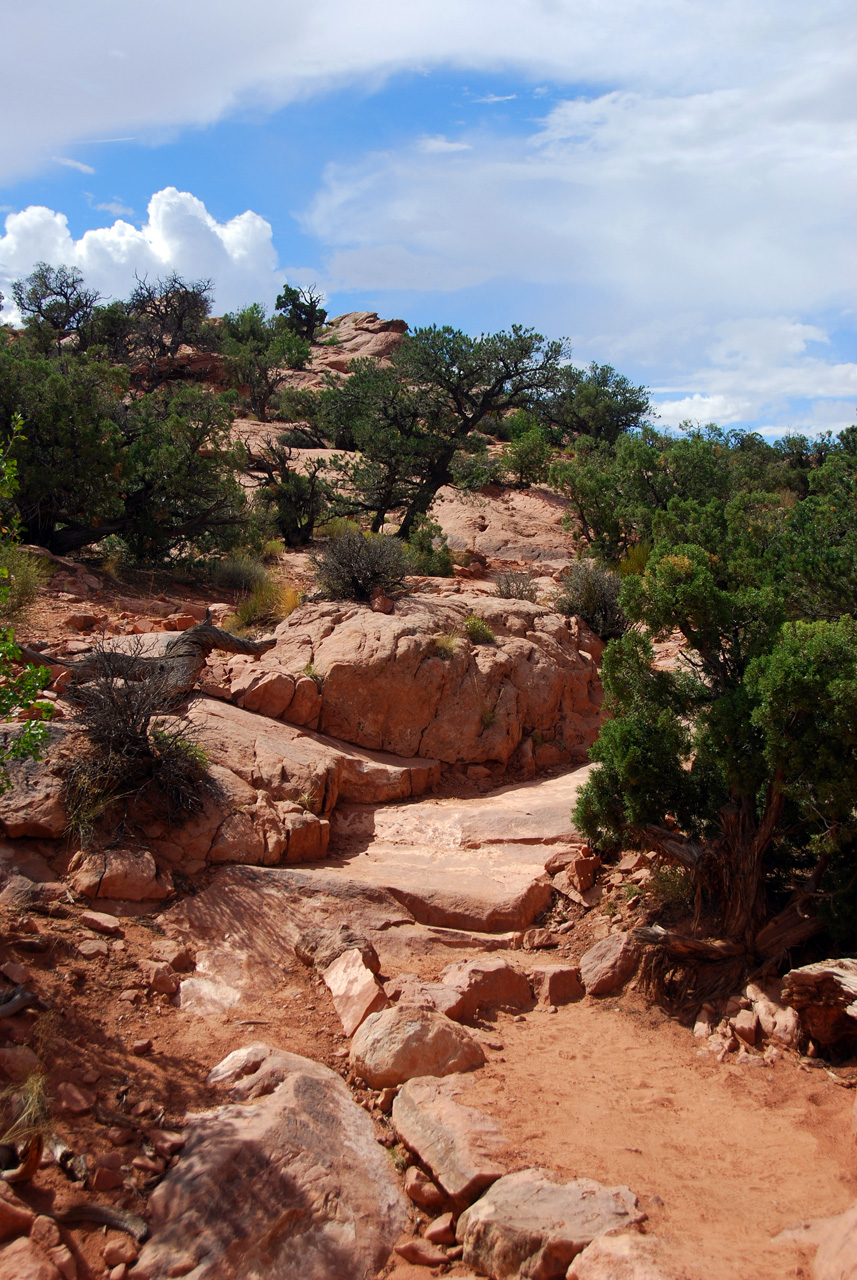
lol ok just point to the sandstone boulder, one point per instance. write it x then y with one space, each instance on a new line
320 947
531 1227
608 965
354 989
25 1260
122 874
399 1043
836 1258
34 804
462 1146
293 1184
825 997
557 983
624 1257
489 982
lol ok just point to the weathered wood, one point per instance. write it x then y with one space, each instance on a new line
825 996
180 665
682 947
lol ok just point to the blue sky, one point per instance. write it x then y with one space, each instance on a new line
668 183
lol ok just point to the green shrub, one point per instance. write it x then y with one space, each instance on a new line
21 574
238 573
268 602
478 629
475 470
526 460
353 565
516 584
635 559
592 593
428 551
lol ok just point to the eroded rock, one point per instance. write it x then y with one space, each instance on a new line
530 1227
608 965
624 1257
400 1043
354 989
293 1184
461 1146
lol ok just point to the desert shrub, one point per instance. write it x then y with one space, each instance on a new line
478 630
428 551
592 593
527 458
273 549
136 742
635 559
351 566
444 643
516 584
475 470
238 573
268 602
22 575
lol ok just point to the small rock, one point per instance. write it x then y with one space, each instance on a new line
385 1100
421 1253
16 973
140 1048
557 984
119 1272
165 1142
72 1100
745 1025
18 1063
118 1251
355 990
80 621
538 939
119 1137
442 1230
160 977
421 1189
608 965
92 948
703 1024
149 1164
622 1257
130 995
173 953
101 922
106 1179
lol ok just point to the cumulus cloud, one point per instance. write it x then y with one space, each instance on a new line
180 234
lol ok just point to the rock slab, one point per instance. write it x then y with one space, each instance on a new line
399 1043
291 1184
837 1253
530 1227
623 1257
354 989
461 1146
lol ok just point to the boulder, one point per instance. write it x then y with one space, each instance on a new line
34 805
25 1260
557 983
320 947
825 998
125 874
624 1257
399 1043
461 1146
489 982
354 989
291 1184
386 686
606 967
530 1227
836 1258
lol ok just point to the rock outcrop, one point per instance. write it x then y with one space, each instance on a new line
290 1184
385 684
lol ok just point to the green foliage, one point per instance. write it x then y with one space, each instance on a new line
297 501
353 565
526 459
591 592
54 303
261 351
269 602
237 573
21 576
428 550
596 402
302 311
516 584
478 630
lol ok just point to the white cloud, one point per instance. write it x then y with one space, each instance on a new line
73 164
217 57
180 235
497 97
439 145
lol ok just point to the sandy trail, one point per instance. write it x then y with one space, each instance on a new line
621 1094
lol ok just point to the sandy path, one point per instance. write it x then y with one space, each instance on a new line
736 1154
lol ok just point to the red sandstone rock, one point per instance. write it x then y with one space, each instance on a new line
557 983
25 1260
131 874
608 965
422 1190
487 982
400 1043
355 990
623 1257
421 1253
460 1145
